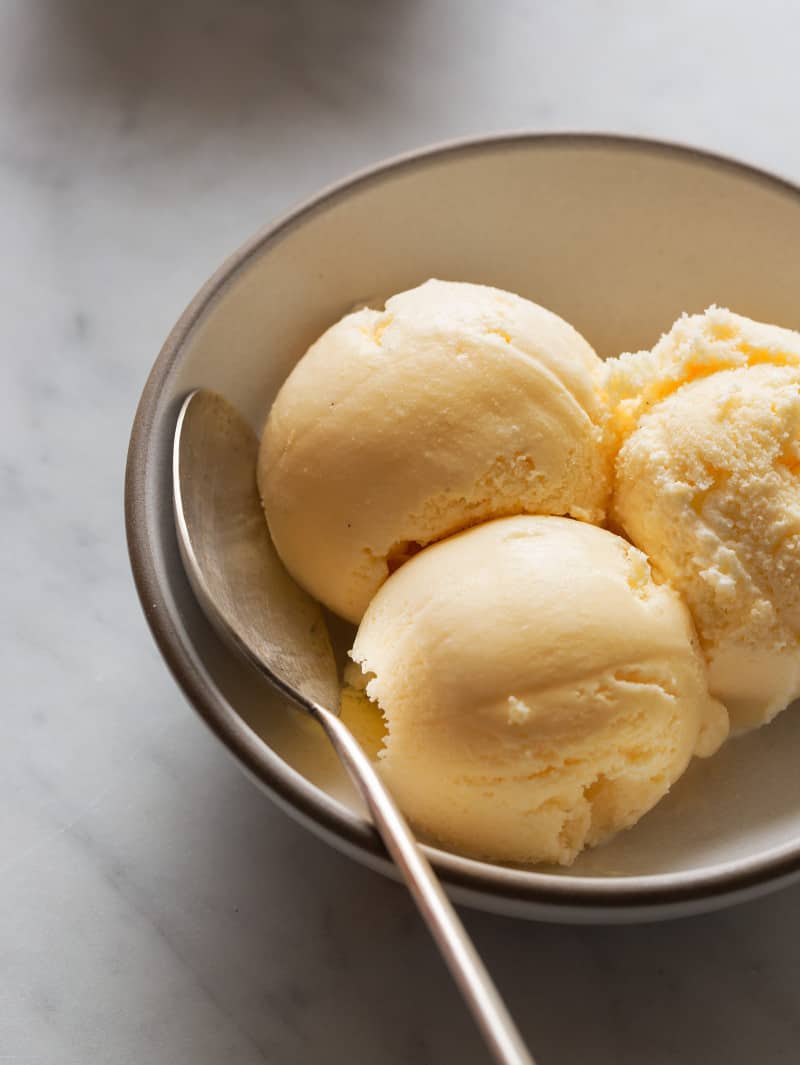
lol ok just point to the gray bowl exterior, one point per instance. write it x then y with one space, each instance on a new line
619 237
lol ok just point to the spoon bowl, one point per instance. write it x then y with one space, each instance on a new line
230 560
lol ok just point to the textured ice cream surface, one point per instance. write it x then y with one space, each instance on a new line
696 346
456 404
708 484
359 713
540 690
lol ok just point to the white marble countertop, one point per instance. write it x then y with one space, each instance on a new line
154 907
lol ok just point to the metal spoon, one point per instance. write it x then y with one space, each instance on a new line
248 595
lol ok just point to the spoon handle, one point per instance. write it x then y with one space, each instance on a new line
457 949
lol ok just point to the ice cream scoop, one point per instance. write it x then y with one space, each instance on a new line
708 484
456 404
540 690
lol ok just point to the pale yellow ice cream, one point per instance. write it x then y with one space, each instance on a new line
540 691
708 484
455 404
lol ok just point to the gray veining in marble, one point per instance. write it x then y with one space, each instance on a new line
154 906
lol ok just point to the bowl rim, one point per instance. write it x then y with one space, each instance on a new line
725 881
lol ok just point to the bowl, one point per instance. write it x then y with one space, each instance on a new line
619 237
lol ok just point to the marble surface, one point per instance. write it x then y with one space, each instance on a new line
153 905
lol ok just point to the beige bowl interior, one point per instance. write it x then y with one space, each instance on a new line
617 237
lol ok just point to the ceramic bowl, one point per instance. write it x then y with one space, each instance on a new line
619 237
